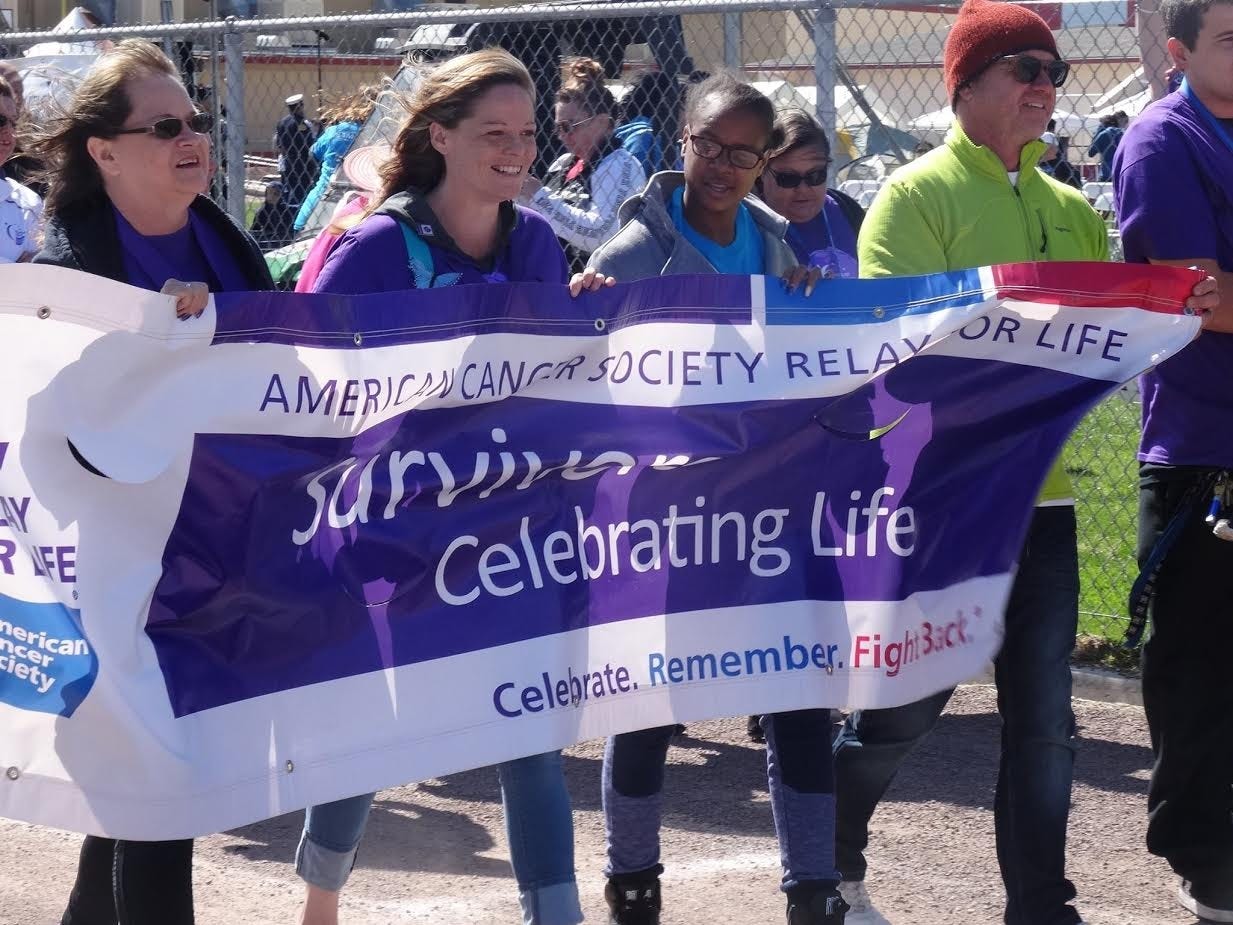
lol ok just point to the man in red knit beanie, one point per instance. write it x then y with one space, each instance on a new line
977 200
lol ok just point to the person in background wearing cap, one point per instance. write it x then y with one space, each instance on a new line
976 200
293 139
1173 186
1054 161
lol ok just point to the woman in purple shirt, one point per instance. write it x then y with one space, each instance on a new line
823 223
447 218
128 167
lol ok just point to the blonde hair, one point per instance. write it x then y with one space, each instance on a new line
352 107
98 109
445 96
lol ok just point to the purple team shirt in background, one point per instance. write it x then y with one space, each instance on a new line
814 247
1172 180
372 257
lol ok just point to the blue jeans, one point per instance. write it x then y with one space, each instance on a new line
800 778
538 822
1032 802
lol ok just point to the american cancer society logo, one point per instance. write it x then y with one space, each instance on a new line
46 664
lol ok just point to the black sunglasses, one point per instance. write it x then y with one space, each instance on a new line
5 122
788 179
171 127
564 128
711 150
1026 68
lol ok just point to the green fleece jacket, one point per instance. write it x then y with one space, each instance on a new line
955 208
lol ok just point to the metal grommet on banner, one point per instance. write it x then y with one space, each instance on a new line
829 668
879 312
290 765
359 339
12 773
44 312
600 324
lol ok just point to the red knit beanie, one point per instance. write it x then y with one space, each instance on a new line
985 30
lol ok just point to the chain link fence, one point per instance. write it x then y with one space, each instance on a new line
869 71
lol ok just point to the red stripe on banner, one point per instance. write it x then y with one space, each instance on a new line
1096 285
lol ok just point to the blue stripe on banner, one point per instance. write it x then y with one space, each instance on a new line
850 301
419 316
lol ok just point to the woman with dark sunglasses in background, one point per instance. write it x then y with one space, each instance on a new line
822 223
705 221
128 166
586 185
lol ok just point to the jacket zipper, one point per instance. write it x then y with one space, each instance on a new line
1033 253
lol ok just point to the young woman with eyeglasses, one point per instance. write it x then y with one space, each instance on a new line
585 186
128 166
705 221
822 223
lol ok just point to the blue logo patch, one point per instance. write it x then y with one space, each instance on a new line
46 665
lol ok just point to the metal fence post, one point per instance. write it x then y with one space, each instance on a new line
236 135
732 41
825 59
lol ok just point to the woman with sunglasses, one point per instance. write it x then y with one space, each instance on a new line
705 221
586 185
444 216
128 166
822 223
21 209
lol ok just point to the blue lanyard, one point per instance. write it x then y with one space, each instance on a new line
830 237
1215 124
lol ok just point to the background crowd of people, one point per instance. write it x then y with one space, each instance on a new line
453 202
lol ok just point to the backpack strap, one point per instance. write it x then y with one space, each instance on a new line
419 257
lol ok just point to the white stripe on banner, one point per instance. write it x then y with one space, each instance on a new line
305 547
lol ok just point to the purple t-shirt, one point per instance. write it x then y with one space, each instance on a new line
194 254
826 241
1172 178
373 257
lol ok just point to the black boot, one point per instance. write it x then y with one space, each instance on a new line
633 899
815 903
753 726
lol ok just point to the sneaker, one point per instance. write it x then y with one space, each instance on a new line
816 907
1212 902
861 910
633 900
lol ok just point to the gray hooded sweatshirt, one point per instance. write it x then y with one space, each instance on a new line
648 244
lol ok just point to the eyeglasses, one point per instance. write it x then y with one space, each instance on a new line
711 150
6 122
1026 68
564 128
171 127
789 179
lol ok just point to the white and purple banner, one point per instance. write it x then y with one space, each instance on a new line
307 546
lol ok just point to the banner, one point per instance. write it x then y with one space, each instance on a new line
307 546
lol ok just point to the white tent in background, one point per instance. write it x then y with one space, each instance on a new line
1072 124
936 122
1131 105
1068 123
783 94
75 21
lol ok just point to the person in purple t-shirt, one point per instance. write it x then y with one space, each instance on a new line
446 218
128 165
1173 182
823 223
